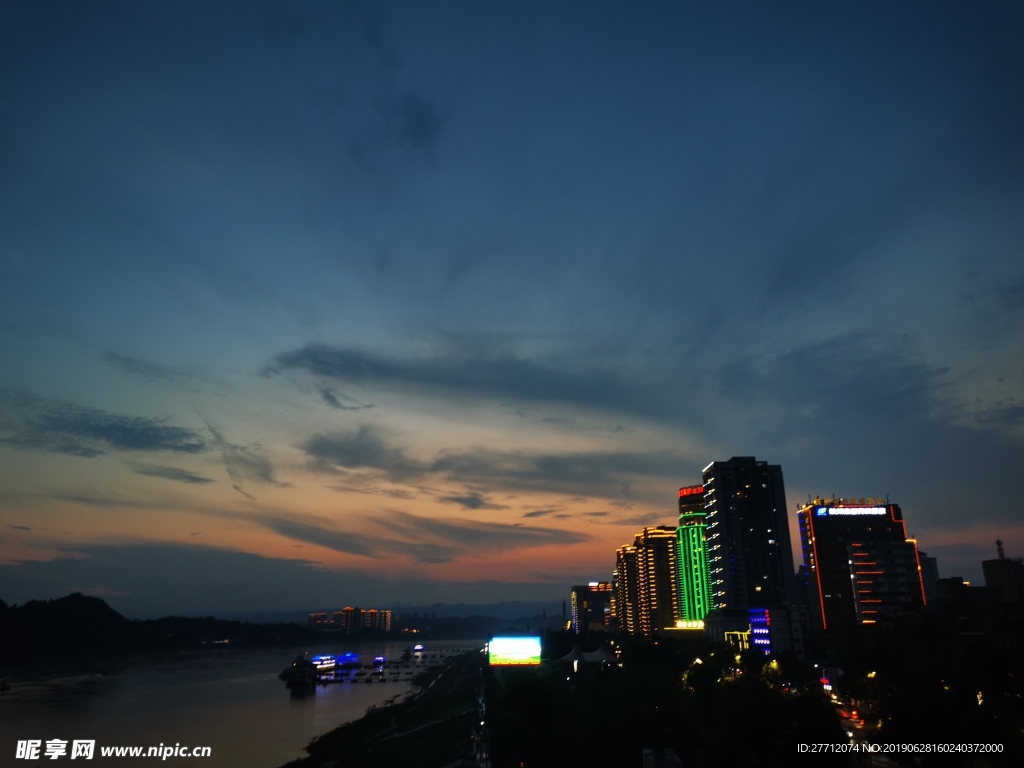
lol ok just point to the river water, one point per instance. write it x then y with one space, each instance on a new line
228 699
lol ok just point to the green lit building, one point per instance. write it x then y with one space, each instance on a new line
694 570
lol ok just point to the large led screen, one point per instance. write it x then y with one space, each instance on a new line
513 651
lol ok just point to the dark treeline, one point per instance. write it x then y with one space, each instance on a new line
684 695
714 706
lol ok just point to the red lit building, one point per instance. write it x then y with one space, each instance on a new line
861 566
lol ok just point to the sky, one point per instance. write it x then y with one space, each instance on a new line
314 304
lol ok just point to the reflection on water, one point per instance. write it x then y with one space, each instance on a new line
230 700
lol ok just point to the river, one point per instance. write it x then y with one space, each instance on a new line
230 700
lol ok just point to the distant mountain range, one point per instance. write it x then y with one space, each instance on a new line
552 609
82 627
509 611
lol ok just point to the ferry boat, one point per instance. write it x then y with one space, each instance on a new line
321 668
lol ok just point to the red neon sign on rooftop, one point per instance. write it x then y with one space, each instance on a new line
692 490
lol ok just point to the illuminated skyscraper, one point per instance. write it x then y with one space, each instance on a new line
693 567
657 578
592 607
647 581
627 589
861 566
749 549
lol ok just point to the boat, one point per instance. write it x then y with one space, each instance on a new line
301 674
321 668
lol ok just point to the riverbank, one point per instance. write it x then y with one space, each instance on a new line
431 728
228 698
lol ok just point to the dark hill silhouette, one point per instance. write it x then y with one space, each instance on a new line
75 625
81 627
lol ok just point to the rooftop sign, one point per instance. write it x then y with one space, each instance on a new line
691 490
844 510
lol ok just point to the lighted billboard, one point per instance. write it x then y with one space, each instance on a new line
849 510
513 651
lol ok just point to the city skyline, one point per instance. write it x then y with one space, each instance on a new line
443 304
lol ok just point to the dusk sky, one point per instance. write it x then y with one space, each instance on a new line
307 304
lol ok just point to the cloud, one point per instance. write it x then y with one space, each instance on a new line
473 500
476 536
541 512
571 425
170 473
559 514
1011 295
54 426
20 527
424 539
409 122
339 541
197 580
574 472
858 409
335 401
143 369
842 382
394 493
243 463
1002 415
101 500
646 519
362 449
467 369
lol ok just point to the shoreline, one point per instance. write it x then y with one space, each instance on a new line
440 711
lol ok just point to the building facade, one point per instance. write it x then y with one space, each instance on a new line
749 550
1004 576
693 568
592 607
648 582
351 619
860 564
627 592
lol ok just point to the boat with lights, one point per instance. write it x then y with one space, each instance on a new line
318 669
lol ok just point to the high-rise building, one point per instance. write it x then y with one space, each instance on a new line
861 566
351 619
693 567
657 579
647 581
592 607
747 532
627 589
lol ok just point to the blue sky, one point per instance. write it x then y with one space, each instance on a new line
326 300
